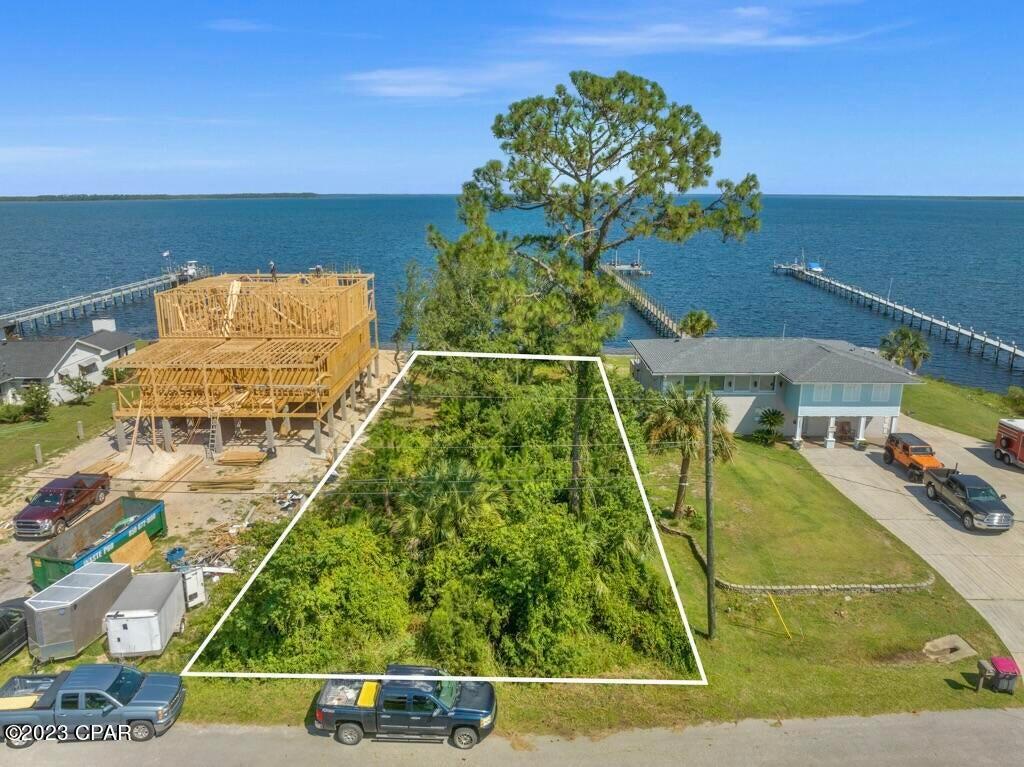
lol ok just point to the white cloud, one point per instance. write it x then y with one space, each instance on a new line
237 25
746 26
438 82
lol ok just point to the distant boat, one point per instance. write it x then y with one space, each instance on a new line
635 267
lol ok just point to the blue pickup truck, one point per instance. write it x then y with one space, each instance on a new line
419 708
91 702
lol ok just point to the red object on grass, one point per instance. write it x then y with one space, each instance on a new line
1005 666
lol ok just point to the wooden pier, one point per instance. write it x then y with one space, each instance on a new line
657 316
952 332
35 317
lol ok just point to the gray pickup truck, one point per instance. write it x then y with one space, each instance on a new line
972 499
91 702
415 708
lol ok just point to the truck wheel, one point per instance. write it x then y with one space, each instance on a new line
59 527
101 496
887 456
348 734
999 454
968 521
142 731
930 492
464 738
17 743
1008 459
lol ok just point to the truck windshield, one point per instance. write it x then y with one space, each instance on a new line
46 498
922 450
125 686
447 692
982 494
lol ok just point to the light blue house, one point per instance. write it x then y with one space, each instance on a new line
826 389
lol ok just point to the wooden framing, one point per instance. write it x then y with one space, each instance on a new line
252 346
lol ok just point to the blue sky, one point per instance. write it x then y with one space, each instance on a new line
816 97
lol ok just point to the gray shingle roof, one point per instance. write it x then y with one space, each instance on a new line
801 360
35 358
109 340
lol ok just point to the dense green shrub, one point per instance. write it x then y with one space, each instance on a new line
1015 399
459 631
328 591
11 413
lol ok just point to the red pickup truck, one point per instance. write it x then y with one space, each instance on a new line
59 503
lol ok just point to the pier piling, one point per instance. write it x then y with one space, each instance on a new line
950 331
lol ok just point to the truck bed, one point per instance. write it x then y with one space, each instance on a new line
35 692
348 693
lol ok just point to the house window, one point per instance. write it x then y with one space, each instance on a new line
691 382
822 392
742 383
716 383
851 392
880 392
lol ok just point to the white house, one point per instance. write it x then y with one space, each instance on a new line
51 361
827 389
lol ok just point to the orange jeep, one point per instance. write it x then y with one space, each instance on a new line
912 453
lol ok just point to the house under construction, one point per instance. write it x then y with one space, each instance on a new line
253 346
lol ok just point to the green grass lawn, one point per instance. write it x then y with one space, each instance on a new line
56 435
974 412
778 521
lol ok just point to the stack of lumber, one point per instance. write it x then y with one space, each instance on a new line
111 465
241 458
173 475
241 480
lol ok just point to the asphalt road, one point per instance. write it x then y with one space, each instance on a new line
973 737
987 569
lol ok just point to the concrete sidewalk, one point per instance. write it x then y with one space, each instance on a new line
986 569
976 737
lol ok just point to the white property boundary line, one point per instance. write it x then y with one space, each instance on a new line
702 681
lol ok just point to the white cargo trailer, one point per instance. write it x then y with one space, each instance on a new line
146 615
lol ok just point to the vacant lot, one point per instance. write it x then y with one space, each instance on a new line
453 540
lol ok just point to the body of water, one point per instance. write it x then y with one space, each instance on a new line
960 258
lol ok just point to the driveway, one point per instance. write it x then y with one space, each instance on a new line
977 737
987 569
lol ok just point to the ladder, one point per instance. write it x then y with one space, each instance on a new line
211 442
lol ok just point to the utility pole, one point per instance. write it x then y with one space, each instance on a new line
709 498
888 295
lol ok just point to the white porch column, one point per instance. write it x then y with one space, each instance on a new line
798 435
862 424
893 423
830 436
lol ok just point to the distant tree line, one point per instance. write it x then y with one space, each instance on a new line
109 197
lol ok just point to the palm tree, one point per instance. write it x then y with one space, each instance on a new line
904 344
443 502
678 420
697 323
